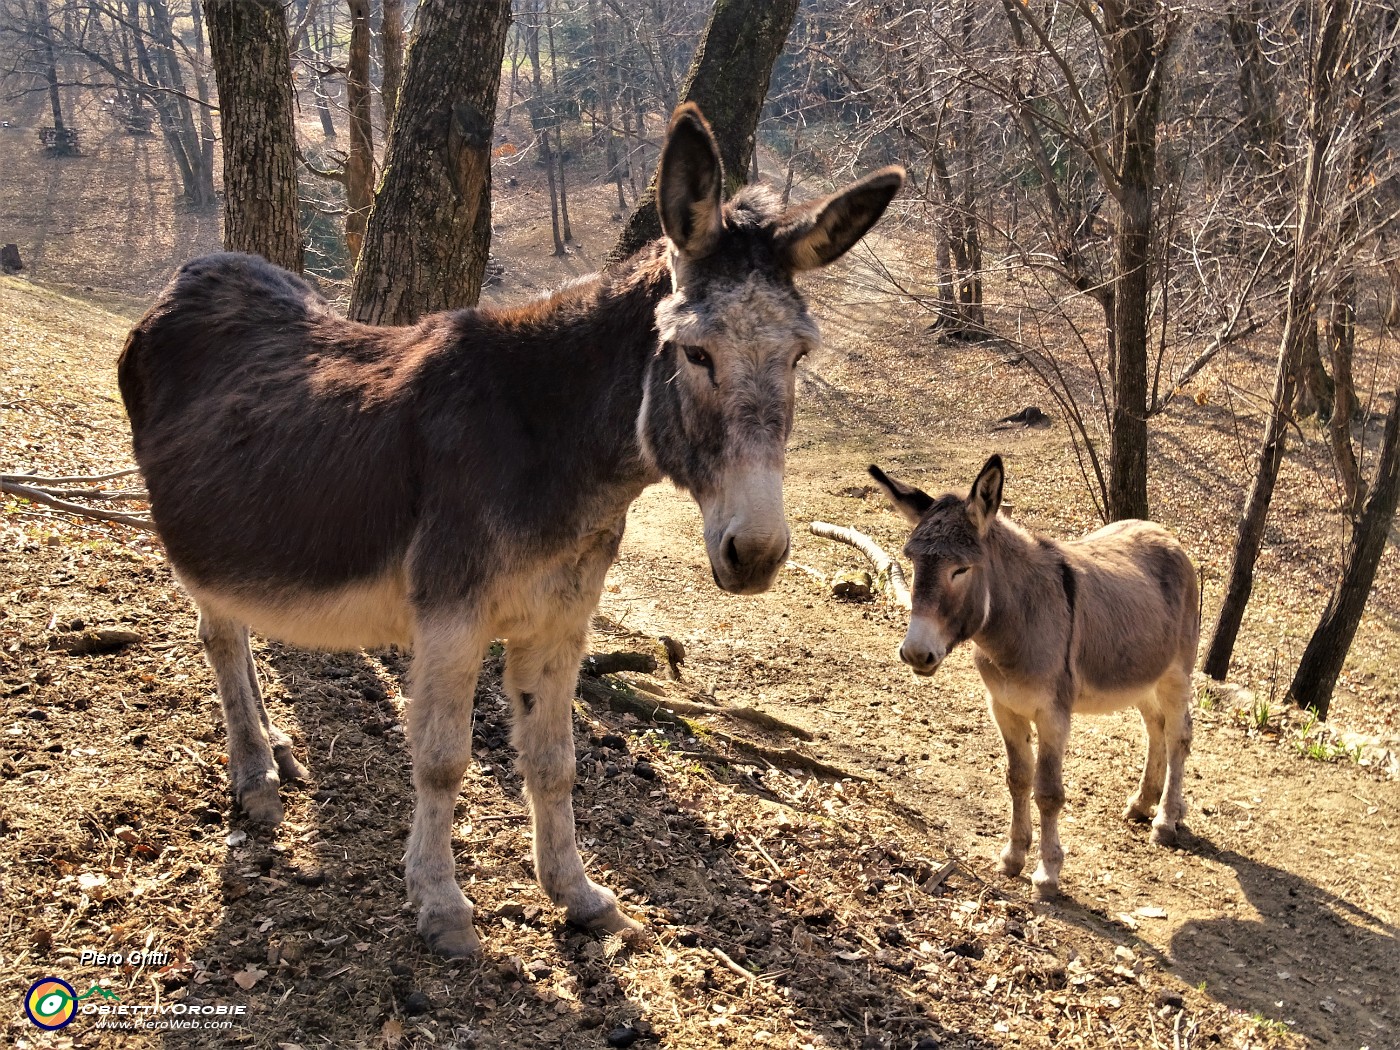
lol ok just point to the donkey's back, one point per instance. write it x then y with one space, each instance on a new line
1137 611
273 444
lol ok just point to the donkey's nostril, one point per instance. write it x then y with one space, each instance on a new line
731 553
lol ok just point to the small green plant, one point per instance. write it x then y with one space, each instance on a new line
1260 714
1316 743
1201 987
1270 1025
1208 701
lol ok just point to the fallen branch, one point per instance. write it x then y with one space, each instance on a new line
35 495
35 479
611 663
885 567
88 643
617 696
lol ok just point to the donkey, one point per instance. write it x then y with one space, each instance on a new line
338 486
1099 624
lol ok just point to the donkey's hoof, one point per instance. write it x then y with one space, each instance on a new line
261 801
602 915
1011 864
1163 835
1044 886
288 768
452 937
1136 813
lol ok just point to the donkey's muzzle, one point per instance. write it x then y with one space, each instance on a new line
924 646
921 661
748 563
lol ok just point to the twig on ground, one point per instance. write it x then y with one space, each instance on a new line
36 495
885 566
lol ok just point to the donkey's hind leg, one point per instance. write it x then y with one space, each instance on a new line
1143 804
251 765
541 676
1174 693
1020 766
288 768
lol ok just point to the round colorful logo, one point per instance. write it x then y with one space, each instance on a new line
51 1003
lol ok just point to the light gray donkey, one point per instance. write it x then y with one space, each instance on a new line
1098 624
467 478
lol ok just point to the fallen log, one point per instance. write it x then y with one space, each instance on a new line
886 568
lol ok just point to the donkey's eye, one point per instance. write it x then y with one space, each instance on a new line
698 356
959 571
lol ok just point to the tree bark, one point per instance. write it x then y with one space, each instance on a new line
200 190
252 66
1136 55
359 162
1327 649
429 232
728 79
391 59
602 57
1341 346
558 126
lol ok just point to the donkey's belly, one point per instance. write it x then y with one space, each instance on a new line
1092 701
365 614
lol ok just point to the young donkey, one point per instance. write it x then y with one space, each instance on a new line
1095 625
339 486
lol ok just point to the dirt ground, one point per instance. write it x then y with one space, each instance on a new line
791 909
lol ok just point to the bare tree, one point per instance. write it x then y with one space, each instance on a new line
359 162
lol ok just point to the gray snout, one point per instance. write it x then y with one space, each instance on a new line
746 562
919 658
924 647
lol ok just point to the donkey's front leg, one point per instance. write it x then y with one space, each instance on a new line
446 663
541 676
1052 732
1020 762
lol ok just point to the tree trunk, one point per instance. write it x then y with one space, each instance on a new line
429 232
1341 346
252 66
45 28
1313 395
602 56
558 126
201 87
391 59
201 188
1327 649
1136 60
1302 311
541 115
359 162
1250 536
728 79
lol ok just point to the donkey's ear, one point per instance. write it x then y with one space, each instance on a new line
689 184
984 500
908 500
823 231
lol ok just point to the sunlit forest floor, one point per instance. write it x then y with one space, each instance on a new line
1274 924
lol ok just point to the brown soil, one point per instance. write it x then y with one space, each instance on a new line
1275 924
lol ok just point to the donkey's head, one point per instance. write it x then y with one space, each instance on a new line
952 592
719 396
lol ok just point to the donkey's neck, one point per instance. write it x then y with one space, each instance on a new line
568 372
1025 595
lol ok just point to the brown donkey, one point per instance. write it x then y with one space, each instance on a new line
1099 624
339 486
